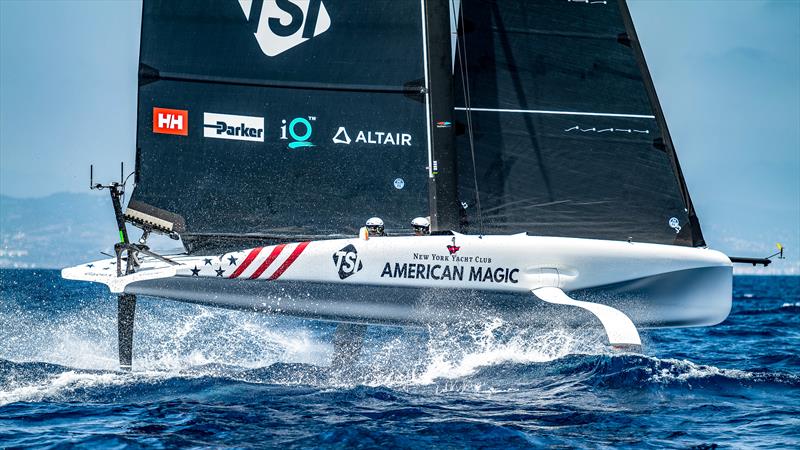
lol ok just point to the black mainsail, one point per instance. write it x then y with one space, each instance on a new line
569 137
285 120
279 120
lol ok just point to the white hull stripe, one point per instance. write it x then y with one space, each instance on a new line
258 260
563 113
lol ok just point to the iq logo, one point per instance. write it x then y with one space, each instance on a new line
282 24
299 130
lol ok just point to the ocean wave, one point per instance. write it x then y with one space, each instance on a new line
36 382
784 309
73 355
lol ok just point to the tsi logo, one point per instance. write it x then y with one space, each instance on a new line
282 24
300 131
347 262
240 128
171 121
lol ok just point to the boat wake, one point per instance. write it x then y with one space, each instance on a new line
181 350
44 382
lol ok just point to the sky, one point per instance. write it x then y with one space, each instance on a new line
727 73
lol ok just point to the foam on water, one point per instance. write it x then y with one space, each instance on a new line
61 385
210 377
184 341
492 343
178 340
167 337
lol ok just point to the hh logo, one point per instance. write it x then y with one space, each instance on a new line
171 121
282 24
347 261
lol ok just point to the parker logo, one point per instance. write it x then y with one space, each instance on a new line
283 24
171 121
347 261
240 128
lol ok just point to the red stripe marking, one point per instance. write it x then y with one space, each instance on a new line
249 259
299 249
275 252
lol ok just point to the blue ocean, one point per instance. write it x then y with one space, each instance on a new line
205 377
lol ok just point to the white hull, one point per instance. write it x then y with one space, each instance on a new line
412 280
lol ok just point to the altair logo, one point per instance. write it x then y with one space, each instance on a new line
282 24
372 137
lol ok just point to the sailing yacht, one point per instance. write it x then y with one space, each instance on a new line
528 130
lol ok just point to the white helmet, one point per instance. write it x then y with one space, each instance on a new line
421 222
375 226
374 222
421 225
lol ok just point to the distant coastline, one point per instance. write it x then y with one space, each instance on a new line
66 228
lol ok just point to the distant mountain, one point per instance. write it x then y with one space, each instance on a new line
55 231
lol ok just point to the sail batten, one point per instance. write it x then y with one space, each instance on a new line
565 113
410 88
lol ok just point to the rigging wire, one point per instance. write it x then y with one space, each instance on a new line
461 47
124 183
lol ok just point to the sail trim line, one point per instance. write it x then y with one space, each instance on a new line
565 113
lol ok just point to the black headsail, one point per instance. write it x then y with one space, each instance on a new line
569 137
283 120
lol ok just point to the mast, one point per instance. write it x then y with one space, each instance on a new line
442 172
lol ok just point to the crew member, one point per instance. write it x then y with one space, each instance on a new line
422 226
375 227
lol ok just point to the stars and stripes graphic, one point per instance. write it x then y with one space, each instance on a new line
267 262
